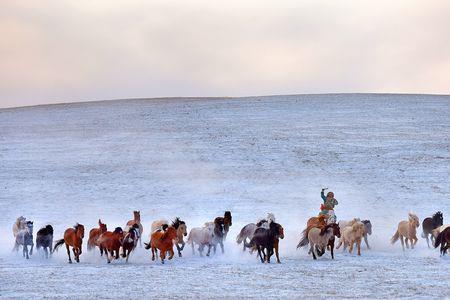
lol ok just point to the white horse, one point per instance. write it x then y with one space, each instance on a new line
202 237
24 237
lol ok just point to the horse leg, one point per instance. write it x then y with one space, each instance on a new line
32 246
331 244
426 237
45 252
358 244
403 243
68 253
259 253
179 250
209 250
171 253
25 251
406 243
153 253
366 240
75 254
193 248
117 253
350 249
221 247
162 255
314 252
276 252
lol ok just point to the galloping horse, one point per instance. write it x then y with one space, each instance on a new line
443 239
73 237
163 241
20 223
130 240
44 239
226 221
94 234
137 221
266 239
352 234
248 230
24 237
179 225
110 242
429 224
319 239
202 237
407 230
318 222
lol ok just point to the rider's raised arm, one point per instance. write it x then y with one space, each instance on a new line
322 194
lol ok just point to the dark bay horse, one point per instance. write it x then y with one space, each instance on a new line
73 237
443 239
226 221
44 239
265 240
430 223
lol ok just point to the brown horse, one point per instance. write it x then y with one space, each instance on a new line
443 239
111 242
314 222
162 241
266 240
431 223
226 221
136 221
73 237
94 234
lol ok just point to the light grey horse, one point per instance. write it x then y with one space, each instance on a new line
24 238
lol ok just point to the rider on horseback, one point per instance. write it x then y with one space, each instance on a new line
327 208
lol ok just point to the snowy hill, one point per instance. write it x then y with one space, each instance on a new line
382 155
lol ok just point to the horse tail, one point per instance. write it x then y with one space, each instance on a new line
58 244
395 237
248 245
438 240
241 237
423 234
90 244
304 241
147 245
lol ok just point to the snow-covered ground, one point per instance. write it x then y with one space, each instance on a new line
382 155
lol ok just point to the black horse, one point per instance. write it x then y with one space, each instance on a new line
429 224
44 239
443 239
266 239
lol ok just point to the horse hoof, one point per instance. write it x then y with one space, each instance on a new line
70 261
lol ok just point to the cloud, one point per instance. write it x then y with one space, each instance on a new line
57 51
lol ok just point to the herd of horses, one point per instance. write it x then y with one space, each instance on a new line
262 237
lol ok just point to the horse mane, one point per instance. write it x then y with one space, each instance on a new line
227 214
437 216
177 222
325 229
118 230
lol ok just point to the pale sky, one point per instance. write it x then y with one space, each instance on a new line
63 51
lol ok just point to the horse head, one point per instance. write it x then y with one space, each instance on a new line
79 229
30 227
227 218
103 227
49 229
413 219
137 215
278 230
336 230
367 226
438 219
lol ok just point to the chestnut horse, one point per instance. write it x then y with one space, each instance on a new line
179 225
162 241
137 221
318 222
73 237
110 242
94 235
